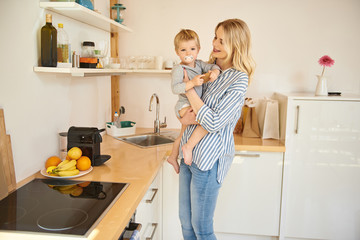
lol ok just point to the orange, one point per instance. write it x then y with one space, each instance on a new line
84 184
74 153
52 161
67 157
83 163
77 191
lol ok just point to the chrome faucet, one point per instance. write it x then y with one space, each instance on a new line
157 124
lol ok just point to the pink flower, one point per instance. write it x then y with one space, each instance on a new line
326 61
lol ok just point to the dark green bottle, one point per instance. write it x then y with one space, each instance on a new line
48 44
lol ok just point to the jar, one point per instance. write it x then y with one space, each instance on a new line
87 49
115 12
63 145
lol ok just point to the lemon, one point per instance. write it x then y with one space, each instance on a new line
74 153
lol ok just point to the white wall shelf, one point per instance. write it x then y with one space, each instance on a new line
85 15
85 72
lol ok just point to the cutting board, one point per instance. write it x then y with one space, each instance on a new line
7 171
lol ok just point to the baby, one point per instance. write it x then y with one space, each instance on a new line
187 47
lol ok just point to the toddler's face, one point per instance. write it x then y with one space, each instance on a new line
188 51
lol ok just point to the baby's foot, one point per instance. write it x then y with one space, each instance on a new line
187 153
173 161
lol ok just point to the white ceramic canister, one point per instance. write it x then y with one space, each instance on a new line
169 64
159 62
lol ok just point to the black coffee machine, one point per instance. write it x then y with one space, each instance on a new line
88 140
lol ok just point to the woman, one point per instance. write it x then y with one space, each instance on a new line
218 112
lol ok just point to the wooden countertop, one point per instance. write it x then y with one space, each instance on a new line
258 144
128 164
139 167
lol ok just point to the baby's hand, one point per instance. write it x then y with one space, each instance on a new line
214 74
197 80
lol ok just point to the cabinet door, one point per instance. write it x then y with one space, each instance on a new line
171 221
149 211
249 199
322 170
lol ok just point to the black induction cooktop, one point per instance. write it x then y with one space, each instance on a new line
58 206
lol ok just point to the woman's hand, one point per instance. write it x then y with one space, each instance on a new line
188 118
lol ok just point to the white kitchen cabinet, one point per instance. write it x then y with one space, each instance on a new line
248 206
321 195
171 221
249 199
149 211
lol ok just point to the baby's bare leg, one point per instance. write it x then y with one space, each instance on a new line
172 159
183 111
194 139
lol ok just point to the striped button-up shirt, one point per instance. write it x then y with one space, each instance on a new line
223 100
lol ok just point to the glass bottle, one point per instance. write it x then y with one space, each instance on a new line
116 119
48 43
63 48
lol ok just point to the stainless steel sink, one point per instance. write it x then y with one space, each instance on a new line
150 139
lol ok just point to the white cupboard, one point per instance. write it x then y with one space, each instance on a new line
321 195
249 199
171 221
248 206
149 211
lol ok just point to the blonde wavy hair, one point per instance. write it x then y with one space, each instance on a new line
237 44
186 35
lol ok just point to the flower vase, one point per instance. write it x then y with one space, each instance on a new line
321 87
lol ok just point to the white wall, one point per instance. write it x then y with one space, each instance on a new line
38 106
289 37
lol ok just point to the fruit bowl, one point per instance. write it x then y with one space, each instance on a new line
81 173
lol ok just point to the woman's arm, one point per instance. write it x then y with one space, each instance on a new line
216 118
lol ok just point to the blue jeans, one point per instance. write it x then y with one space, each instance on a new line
198 192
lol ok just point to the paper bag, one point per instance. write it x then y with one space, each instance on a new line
251 124
268 115
239 127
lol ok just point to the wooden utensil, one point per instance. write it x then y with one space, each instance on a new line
206 77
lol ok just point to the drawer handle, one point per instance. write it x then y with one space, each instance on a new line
155 190
254 155
297 119
155 225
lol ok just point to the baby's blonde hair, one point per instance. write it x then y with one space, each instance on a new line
186 35
237 44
